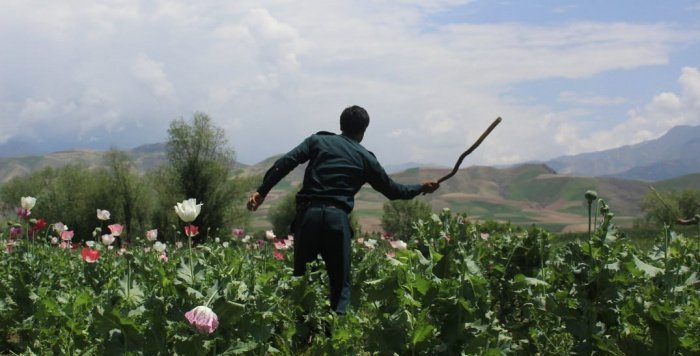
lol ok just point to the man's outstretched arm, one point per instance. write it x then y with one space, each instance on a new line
279 170
380 181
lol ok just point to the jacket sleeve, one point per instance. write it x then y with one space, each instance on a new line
382 183
284 165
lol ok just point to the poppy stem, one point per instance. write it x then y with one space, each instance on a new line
211 298
189 242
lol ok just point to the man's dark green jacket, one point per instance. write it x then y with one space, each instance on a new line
338 167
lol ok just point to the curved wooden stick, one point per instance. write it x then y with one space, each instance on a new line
468 151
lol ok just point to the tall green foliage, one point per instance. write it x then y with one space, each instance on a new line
200 163
399 216
281 215
69 194
128 194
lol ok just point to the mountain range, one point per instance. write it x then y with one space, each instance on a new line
671 155
548 193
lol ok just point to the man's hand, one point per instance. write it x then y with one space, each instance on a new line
429 187
255 201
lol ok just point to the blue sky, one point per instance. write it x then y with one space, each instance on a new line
566 76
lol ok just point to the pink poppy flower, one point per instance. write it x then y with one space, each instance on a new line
278 255
116 229
390 254
67 235
163 257
23 213
152 235
398 244
238 233
15 231
59 227
107 239
484 236
203 318
282 244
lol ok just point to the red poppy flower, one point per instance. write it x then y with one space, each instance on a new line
278 255
191 230
40 225
90 255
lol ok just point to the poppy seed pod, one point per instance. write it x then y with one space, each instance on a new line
591 195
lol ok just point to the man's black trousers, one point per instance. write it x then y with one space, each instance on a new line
325 230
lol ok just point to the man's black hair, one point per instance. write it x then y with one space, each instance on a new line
354 120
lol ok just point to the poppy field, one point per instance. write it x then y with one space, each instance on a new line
456 287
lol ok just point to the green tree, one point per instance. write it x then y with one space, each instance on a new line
201 162
398 216
70 194
666 207
128 195
282 214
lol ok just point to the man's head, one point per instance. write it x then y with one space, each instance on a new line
353 122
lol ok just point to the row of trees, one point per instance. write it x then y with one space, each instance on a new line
199 165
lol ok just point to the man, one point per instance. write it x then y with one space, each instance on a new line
338 167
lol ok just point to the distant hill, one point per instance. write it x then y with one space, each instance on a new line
525 194
671 155
548 194
146 158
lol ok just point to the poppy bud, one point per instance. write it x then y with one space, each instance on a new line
591 195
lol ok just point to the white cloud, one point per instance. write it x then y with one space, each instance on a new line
662 113
285 69
151 73
590 100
